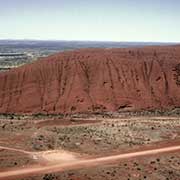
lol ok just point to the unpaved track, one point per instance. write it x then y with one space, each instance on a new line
14 149
83 163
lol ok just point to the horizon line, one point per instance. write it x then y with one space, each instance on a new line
74 40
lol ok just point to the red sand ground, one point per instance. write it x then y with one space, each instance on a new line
76 164
92 80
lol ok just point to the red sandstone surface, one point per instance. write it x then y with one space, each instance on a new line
93 80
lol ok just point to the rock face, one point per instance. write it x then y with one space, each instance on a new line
94 80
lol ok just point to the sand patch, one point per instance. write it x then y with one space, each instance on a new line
56 156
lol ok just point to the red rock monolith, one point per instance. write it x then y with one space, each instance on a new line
94 80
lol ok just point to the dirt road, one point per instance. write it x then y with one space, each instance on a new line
83 163
14 149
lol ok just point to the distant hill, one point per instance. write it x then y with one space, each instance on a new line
52 45
94 80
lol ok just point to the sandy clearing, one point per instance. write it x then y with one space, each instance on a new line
56 156
52 156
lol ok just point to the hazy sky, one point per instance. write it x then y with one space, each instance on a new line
113 20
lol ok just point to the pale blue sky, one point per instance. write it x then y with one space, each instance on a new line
111 20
